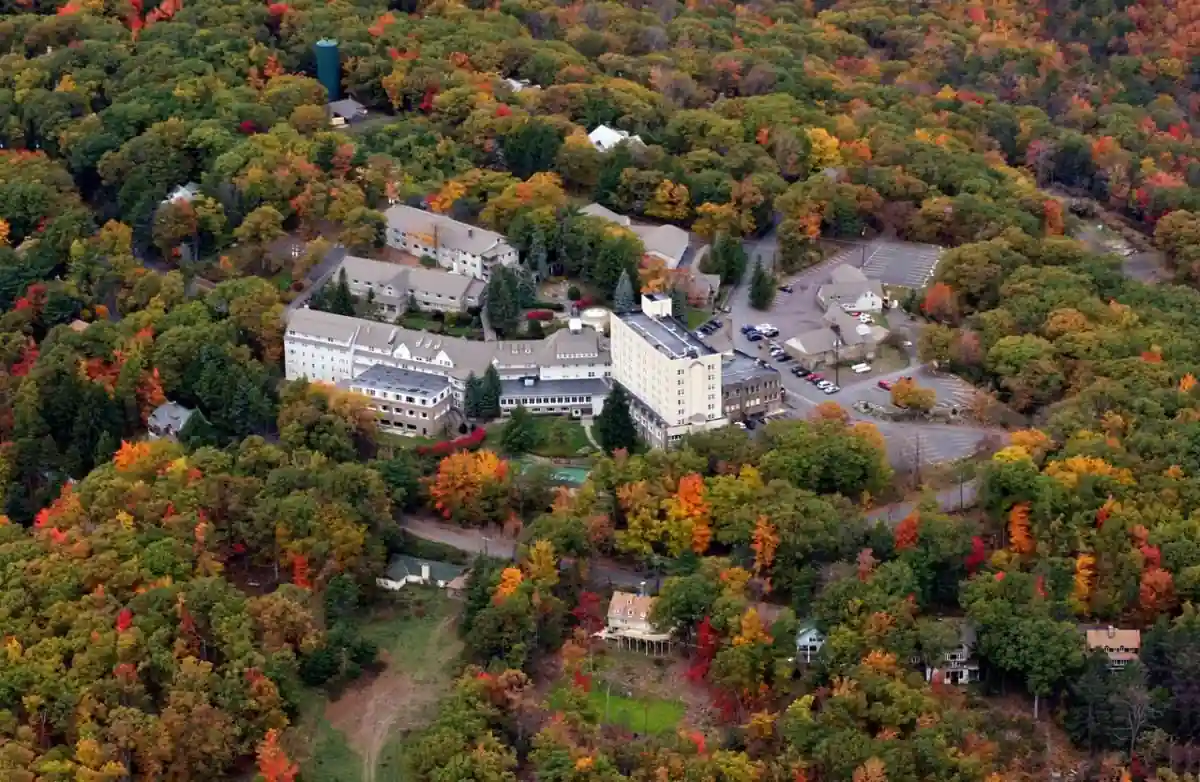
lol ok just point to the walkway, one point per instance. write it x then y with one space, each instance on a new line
586 422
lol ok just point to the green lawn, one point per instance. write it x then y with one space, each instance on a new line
696 317
561 437
422 322
639 714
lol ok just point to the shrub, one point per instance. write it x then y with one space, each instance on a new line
539 315
549 305
573 293
428 261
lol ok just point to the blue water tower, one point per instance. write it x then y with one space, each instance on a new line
328 66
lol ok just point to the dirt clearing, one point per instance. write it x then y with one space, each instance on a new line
418 651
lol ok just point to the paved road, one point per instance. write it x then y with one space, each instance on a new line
317 276
603 572
953 499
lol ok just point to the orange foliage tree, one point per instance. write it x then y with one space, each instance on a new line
470 487
688 524
1018 529
940 303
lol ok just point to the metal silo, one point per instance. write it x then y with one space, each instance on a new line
328 66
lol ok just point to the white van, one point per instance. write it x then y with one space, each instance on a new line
861 369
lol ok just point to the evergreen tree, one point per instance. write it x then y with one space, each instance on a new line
762 289
623 295
614 425
489 397
503 306
727 257
537 256
520 432
199 432
473 397
341 301
679 303
525 287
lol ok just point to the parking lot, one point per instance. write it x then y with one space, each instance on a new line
909 442
901 263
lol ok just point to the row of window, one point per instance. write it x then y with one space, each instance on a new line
398 411
513 401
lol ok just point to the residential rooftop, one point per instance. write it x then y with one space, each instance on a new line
403 381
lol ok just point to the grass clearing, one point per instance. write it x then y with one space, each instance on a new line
637 713
347 738
561 437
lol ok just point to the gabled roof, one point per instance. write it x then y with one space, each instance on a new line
403 565
1114 638
843 273
668 241
597 210
464 356
629 604
346 108
169 417
450 233
605 138
814 342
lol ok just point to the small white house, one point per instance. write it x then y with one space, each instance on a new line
959 665
809 641
849 289
404 570
605 138
167 420
186 192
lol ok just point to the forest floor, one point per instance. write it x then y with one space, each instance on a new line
417 644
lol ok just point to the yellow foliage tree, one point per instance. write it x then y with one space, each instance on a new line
442 201
510 579
1186 383
871 771
5 230
1085 570
542 564
1068 471
824 149
1034 441
752 630
670 202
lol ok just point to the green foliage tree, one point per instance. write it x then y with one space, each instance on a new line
490 392
520 432
623 300
503 301
341 300
762 288
473 397
614 426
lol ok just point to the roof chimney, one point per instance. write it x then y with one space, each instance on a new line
1112 632
641 589
575 325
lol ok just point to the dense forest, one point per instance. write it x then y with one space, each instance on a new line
166 607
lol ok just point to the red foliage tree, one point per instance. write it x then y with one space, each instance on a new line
706 650
273 764
124 620
978 554
907 531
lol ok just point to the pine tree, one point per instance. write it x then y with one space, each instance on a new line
614 425
762 289
679 303
490 391
473 397
623 295
520 432
503 306
342 300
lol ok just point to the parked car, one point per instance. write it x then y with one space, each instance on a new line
815 378
786 288
754 336
767 330
783 357
831 389
866 318
748 328
800 371
886 385
739 424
